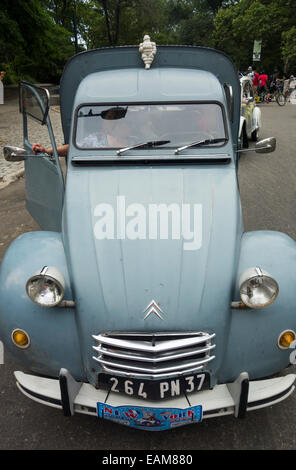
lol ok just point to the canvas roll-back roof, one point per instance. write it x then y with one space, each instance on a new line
128 57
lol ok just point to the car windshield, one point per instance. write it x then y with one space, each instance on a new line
166 125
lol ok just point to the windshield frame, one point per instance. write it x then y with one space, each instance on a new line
110 152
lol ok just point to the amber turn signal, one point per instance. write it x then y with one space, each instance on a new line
20 338
286 338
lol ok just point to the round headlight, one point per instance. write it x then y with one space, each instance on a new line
46 287
257 288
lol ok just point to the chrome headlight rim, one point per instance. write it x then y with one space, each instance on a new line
47 273
253 274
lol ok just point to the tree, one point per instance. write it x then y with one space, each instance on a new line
237 26
121 22
289 50
31 45
38 35
112 10
192 21
73 15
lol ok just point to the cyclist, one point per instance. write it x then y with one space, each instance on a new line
263 78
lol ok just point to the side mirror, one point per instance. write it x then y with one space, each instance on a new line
263 146
266 145
14 154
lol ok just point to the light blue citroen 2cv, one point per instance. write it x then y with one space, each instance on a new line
142 300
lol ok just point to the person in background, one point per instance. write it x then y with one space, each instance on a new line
2 75
250 72
290 86
263 79
255 82
274 81
292 82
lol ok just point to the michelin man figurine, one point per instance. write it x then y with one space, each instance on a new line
148 51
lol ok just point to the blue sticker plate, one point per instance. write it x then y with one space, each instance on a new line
149 418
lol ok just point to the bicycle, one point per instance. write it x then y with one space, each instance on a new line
280 97
277 95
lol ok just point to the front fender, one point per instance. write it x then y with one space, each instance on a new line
241 123
257 121
254 333
53 332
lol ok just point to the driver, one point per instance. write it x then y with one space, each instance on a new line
114 133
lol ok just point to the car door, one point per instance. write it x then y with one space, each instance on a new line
43 176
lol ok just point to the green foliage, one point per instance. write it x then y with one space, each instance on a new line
237 26
38 35
122 22
31 44
193 21
289 50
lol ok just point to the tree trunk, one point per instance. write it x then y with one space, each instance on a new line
117 20
108 26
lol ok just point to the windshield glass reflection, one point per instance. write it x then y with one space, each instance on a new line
102 127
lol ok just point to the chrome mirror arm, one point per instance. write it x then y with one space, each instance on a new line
17 154
263 146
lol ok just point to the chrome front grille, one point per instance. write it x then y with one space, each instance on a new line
153 355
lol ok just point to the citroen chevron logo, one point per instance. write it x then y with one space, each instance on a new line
153 308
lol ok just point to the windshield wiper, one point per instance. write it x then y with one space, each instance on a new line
200 142
149 144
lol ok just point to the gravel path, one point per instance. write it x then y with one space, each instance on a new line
11 133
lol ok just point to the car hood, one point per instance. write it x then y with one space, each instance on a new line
137 235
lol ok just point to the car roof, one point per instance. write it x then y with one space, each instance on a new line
159 84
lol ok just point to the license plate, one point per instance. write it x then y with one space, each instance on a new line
148 418
156 389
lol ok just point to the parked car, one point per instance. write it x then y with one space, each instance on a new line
250 121
141 299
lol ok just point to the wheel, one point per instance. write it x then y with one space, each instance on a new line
245 138
281 99
254 135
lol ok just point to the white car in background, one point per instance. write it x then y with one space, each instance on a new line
250 120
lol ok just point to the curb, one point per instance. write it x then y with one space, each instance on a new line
11 178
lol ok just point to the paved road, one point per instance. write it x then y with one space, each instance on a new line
11 133
268 197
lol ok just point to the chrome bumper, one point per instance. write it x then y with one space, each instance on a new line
227 399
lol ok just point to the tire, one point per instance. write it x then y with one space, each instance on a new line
254 135
281 99
245 141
